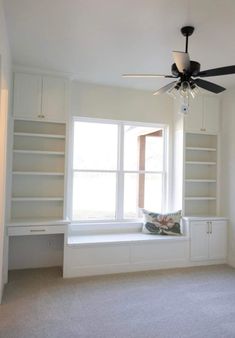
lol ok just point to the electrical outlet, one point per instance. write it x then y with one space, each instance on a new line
55 243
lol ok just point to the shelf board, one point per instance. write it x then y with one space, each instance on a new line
37 173
36 199
200 162
198 180
200 149
40 135
39 152
204 198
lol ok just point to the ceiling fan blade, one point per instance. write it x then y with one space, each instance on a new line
147 75
182 61
165 88
212 87
217 71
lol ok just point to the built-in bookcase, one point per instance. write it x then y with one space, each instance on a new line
38 171
200 175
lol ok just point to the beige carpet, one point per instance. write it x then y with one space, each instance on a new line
179 303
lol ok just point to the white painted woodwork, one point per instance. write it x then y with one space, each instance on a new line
199 240
54 98
38 170
218 240
133 254
89 251
203 114
40 97
200 174
27 95
208 240
36 230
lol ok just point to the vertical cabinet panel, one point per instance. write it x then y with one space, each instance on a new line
199 241
54 98
218 240
27 95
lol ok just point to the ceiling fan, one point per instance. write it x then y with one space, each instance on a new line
187 73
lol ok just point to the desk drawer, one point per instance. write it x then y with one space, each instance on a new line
35 230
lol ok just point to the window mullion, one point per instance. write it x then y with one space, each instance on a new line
120 174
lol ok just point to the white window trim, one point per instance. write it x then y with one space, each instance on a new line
120 171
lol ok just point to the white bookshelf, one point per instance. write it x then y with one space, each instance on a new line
38 172
200 175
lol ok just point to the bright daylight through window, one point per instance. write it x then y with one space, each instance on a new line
118 168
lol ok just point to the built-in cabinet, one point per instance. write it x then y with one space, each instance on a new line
38 180
40 97
203 114
196 155
208 239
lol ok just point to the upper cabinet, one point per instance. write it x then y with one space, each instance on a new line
40 97
203 115
27 95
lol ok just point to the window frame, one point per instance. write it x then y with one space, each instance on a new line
120 172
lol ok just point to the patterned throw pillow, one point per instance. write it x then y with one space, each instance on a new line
162 224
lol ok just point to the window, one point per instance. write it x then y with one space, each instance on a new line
118 168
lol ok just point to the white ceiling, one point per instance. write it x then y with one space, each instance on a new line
98 40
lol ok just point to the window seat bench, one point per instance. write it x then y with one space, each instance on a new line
90 250
119 238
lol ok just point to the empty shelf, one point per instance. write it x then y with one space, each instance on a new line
40 135
36 199
200 149
201 162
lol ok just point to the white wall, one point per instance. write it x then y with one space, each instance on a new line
228 167
120 103
4 97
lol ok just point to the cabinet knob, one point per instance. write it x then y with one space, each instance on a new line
208 229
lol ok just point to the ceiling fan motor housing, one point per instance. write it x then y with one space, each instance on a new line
187 30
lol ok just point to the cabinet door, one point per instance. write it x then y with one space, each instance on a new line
27 95
54 98
218 240
211 114
199 241
193 121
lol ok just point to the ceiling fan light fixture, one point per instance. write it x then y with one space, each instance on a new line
187 74
173 92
